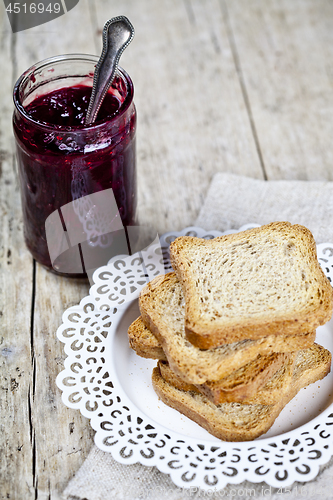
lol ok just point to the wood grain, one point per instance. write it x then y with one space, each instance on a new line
220 85
186 91
43 441
16 287
286 51
62 438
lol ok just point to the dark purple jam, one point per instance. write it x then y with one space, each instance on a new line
67 107
60 159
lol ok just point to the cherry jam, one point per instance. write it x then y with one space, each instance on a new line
67 107
61 160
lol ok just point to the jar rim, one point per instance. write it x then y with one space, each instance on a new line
67 57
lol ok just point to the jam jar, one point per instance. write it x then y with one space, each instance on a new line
60 159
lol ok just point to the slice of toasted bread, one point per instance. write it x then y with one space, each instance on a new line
241 385
312 359
250 391
143 341
248 285
162 308
237 421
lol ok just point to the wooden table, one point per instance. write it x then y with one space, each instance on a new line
221 85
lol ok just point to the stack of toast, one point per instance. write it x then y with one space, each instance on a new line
233 327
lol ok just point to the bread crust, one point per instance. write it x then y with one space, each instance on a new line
237 421
204 330
256 374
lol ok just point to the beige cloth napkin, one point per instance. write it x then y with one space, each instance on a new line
231 202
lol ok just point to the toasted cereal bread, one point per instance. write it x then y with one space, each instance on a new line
248 285
240 386
311 359
162 310
237 421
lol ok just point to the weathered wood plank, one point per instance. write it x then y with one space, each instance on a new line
68 34
192 120
286 51
217 84
15 305
60 438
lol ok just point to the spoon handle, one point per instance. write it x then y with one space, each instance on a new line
118 33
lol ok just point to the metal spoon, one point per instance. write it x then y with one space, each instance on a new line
118 33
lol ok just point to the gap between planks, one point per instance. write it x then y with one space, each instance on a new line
239 72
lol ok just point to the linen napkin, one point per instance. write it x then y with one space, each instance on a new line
231 202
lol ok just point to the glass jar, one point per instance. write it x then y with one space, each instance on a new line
61 160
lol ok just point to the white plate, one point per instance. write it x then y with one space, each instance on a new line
111 385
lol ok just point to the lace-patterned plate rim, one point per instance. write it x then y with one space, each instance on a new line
241 460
